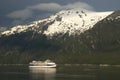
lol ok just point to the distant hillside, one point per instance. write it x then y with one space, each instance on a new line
98 44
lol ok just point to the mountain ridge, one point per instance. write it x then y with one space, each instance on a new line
69 21
96 45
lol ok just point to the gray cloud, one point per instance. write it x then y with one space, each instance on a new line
2 29
16 22
46 7
54 7
79 5
21 15
58 7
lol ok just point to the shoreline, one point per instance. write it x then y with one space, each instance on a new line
69 65
13 64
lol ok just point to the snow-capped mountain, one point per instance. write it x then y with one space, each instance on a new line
67 21
44 39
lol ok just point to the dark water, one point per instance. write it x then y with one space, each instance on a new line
60 73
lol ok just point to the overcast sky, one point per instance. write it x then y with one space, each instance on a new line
13 12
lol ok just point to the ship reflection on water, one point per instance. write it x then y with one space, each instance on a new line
42 73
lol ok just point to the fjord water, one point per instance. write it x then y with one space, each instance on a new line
92 72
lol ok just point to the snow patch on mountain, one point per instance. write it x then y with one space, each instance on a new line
75 21
67 21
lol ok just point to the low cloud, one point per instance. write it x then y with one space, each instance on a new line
20 14
78 5
48 7
2 28
57 7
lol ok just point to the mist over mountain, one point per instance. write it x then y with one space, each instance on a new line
69 36
2 29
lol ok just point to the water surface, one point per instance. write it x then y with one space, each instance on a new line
60 73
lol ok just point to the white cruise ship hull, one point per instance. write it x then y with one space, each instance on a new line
43 66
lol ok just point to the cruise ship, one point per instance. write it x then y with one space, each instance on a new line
42 64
